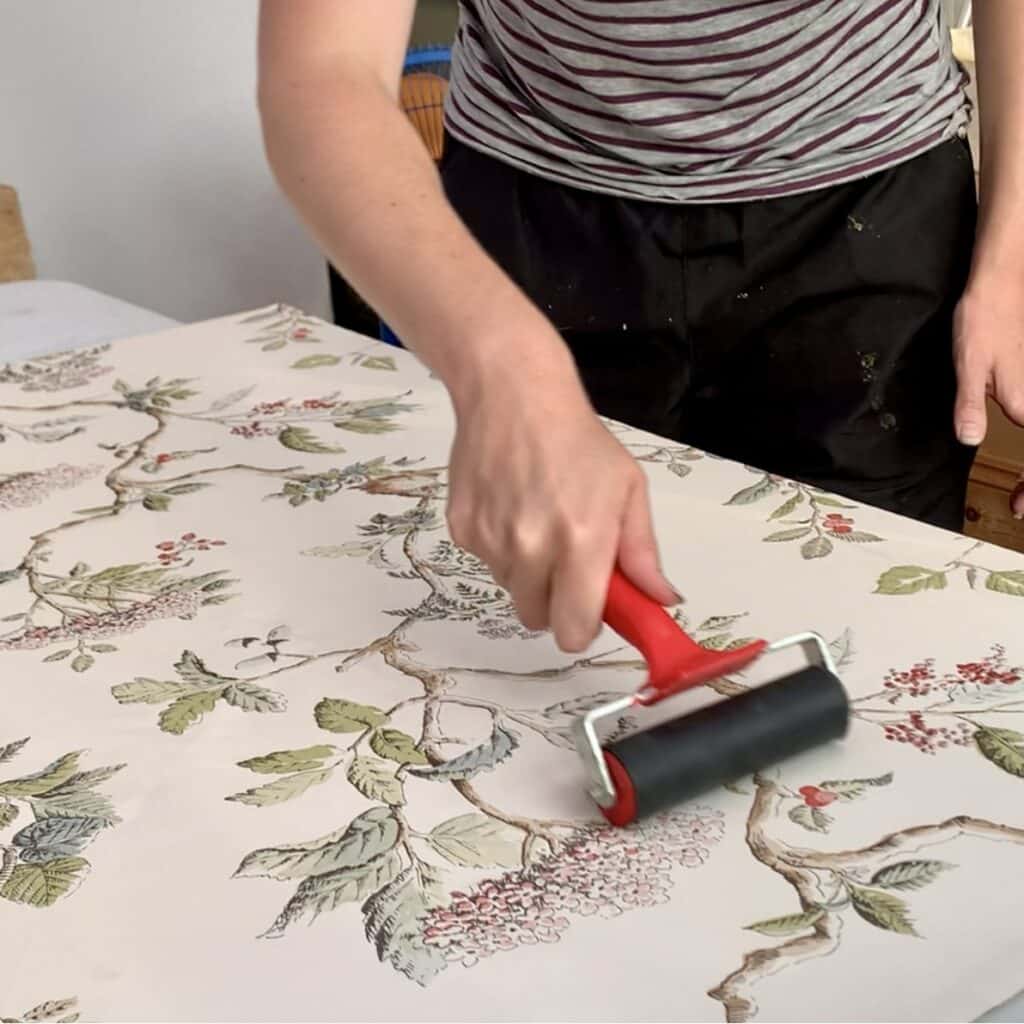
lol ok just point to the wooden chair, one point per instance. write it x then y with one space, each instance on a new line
423 91
15 252
422 97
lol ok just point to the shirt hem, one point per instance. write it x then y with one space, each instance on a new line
723 191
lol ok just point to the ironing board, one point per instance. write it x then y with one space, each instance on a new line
250 686
46 316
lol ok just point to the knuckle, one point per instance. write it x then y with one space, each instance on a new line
634 475
579 534
527 537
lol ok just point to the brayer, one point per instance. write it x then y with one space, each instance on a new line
680 759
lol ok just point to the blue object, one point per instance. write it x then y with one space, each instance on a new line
388 336
420 58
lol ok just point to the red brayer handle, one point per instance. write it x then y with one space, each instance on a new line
675 662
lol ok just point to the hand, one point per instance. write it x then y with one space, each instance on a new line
989 350
549 500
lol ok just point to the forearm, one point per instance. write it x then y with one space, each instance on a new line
999 48
364 184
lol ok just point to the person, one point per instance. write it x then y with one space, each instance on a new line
747 226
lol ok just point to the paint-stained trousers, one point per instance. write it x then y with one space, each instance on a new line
809 336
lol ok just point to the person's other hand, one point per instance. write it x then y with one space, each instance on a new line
989 349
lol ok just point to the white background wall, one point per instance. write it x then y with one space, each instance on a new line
129 128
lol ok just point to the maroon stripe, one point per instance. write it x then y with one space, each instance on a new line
673 148
564 174
882 76
790 86
678 149
888 130
862 169
662 19
543 136
614 98
720 58
542 169
699 124
585 72
927 62
735 32
793 55
667 94
845 128
681 147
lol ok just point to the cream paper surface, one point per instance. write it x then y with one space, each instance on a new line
274 749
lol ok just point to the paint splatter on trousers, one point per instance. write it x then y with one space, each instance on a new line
809 336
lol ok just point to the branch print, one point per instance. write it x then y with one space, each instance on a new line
871 883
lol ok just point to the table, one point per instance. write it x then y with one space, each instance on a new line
255 624
47 316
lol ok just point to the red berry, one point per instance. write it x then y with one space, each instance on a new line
815 797
188 536
167 545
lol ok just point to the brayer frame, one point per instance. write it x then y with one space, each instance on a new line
675 663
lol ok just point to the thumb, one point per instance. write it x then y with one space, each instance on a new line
970 417
638 550
1017 499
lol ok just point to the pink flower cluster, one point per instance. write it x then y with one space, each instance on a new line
928 738
990 671
283 405
172 550
176 604
920 680
601 871
254 429
976 682
915 681
23 490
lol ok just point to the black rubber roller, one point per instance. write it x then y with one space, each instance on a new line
689 756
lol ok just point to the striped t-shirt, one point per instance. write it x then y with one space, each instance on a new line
704 100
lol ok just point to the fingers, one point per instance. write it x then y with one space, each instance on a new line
579 586
552 524
638 548
519 559
970 415
1017 499
1009 393
527 576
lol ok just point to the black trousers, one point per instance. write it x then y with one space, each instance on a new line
809 336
